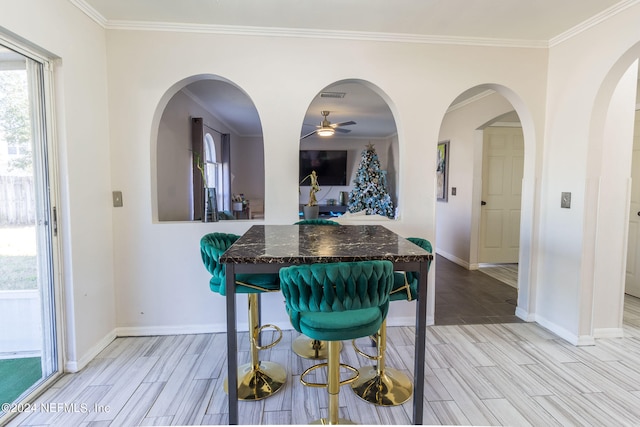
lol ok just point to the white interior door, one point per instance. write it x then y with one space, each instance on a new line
632 284
502 170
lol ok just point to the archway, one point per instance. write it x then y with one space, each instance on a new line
458 219
359 113
227 116
608 200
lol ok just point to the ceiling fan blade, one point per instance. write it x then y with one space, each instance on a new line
340 130
309 134
349 123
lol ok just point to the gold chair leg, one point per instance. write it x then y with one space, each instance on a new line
258 379
309 348
381 385
333 386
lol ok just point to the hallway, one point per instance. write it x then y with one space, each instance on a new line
471 297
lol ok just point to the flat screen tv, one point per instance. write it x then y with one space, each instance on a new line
330 165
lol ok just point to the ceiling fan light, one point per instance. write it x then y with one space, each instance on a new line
326 132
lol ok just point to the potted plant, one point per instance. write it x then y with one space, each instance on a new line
311 209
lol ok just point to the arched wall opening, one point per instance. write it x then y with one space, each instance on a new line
360 115
224 113
608 201
458 218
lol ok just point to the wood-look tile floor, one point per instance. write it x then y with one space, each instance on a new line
514 374
473 297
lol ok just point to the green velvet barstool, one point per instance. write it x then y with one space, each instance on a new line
334 302
258 379
380 384
304 346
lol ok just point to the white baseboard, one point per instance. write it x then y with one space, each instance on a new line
454 259
401 321
571 338
525 315
147 331
608 333
77 365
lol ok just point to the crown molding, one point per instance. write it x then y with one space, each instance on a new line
90 12
349 35
320 34
471 100
300 32
592 22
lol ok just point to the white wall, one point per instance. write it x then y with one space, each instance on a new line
247 167
583 73
161 284
82 125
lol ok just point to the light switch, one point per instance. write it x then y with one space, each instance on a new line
117 199
454 190
565 201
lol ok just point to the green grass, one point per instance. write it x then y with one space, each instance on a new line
18 273
17 375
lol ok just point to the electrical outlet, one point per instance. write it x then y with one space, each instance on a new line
565 200
117 199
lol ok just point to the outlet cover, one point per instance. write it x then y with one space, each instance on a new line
117 199
565 200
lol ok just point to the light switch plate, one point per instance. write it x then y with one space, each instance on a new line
565 201
117 199
454 190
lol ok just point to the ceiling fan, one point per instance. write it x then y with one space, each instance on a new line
326 128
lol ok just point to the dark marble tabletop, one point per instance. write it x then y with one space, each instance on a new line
306 244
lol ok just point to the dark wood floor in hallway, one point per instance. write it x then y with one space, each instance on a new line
466 297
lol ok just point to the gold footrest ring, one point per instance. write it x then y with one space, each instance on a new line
390 388
256 384
362 353
324 365
264 347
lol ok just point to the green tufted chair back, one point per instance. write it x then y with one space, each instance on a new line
405 286
337 301
317 221
212 246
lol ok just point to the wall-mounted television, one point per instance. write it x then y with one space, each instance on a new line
330 165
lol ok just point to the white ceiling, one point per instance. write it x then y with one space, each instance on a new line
535 23
539 20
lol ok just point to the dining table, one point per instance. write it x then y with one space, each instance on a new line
268 248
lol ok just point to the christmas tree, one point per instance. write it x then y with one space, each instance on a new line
370 193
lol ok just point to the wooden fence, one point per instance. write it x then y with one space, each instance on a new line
17 200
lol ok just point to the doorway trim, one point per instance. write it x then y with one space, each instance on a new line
47 123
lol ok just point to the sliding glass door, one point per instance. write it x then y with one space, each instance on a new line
28 327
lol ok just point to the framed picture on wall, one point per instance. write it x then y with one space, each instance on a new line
442 171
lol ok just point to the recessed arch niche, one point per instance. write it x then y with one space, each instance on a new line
364 103
232 132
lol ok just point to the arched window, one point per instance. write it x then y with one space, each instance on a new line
213 170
